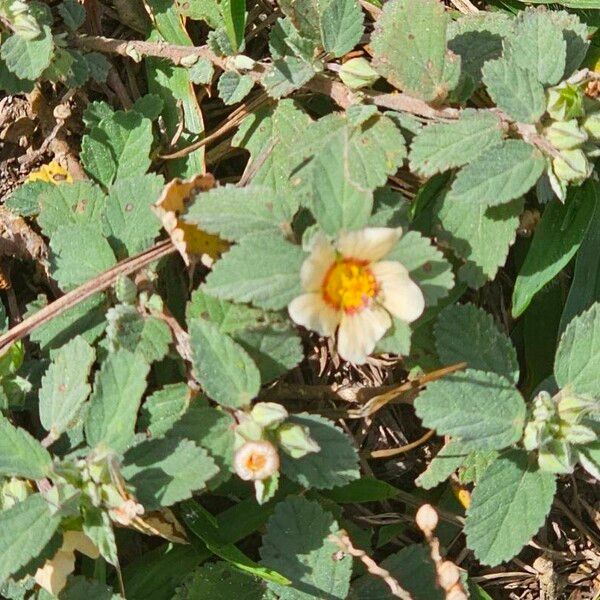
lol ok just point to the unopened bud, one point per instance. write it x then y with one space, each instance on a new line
426 519
572 166
592 125
565 135
556 457
357 73
448 575
268 414
295 440
456 594
565 102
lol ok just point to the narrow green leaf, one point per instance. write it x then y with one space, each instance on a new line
234 18
557 238
115 401
21 455
25 529
65 385
224 369
481 410
508 506
365 489
202 524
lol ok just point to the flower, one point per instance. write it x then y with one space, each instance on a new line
349 288
255 461
126 512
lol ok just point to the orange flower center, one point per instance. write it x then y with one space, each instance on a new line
256 462
349 285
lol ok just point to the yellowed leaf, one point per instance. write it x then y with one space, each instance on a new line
162 523
191 242
52 173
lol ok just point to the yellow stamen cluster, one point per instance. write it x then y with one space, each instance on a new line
349 285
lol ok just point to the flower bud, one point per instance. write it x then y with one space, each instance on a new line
531 436
248 431
126 512
592 125
565 135
572 166
357 73
580 434
556 457
426 519
268 414
295 440
565 102
255 461
448 575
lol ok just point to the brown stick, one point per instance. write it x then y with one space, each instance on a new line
98 284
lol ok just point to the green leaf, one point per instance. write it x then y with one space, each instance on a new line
444 146
97 525
65 386
202 72
200 10
466 333
341 26
80 252
537 44
477 39
149 337
25 200
234 18
356 159
575 34
164 408
482 410
27 59
25 529
80 588
233 87
426 265
557 238
202 524
365 489
115 401
224 369
85 318
73 14
79 203
334 465
229 317
501 174
275 350
132 225
577 362
263 269
508 506
480 235
286 75
514 90
219 581
165 471
21 455
285 124
118 147
409 49
585 286
414 570
446 461
233 212
304 554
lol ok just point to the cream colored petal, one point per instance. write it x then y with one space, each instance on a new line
315 267
398 292
53 575
371 243
360 332
311 311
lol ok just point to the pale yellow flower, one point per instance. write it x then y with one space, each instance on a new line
126 513
349 288
255 461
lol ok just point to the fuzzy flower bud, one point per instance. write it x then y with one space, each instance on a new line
126 513
295 440
357 73
427 519
565 135
255 461
565 102
269 414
